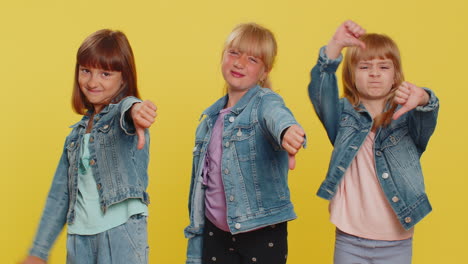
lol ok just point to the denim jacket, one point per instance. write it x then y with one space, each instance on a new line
254 166
397 147
119 168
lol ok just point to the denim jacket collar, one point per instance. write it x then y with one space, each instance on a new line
89 113
237 109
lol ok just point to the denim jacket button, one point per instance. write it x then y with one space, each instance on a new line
237 226
99 186
92 162
395 199
385 175
226 171
106 126
378 153
231 119
408 220
226 144
91 139
239 133
231 198
195 149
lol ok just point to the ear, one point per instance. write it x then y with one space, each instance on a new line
265 74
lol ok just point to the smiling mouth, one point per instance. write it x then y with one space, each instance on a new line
237 74
94 91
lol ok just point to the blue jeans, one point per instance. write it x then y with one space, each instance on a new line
351 249
124 244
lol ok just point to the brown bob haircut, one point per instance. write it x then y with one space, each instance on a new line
108 50
377 47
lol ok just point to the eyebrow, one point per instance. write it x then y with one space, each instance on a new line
379 63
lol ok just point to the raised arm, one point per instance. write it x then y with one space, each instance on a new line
323 87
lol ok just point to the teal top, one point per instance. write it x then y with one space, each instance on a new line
90 219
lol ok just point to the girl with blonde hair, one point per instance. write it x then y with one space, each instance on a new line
239 200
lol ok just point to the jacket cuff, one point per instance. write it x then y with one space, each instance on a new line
125 123
39 252
326 64
432 104
283 131
193 261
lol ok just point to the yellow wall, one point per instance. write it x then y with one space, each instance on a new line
177 45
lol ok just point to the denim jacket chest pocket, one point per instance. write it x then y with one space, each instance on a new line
242 136
398 147
348 126
105 135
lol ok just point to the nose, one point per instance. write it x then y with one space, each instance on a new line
374 72
240 61
92 81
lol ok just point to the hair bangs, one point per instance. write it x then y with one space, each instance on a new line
104 55
255 41
377 47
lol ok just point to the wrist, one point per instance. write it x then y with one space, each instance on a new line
333 49
424 98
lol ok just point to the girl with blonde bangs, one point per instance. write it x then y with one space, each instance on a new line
259 42
239 201
378 130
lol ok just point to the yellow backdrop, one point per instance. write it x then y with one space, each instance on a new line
177 45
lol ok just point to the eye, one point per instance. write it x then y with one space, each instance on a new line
253 59
84 70
106 74
363 67
233 52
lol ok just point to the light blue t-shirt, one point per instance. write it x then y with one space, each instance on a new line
90 219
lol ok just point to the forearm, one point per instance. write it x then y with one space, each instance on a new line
423 119
323 92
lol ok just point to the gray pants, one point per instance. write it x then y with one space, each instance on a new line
356 250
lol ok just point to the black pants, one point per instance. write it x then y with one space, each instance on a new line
268 245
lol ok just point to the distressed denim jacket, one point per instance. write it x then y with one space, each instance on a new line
119 168
254 166
397 147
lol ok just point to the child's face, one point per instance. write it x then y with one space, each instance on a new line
99 86
242 71
374 78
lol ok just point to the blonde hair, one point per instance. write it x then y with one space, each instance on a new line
255 40
377 46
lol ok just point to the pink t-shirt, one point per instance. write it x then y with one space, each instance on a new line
215 198
360 207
